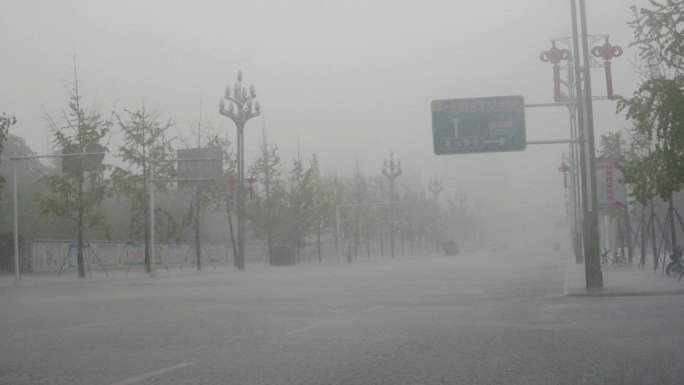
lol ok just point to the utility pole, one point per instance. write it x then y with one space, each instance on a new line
592 266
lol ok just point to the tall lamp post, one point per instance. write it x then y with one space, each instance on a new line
241 108
391 171
435 187
461 197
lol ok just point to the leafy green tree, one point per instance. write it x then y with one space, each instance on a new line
639 171
323 211
658 32
657 105
144 146
29 172
220 195
5 123
76 194
266 169
359 194
301 199
213 195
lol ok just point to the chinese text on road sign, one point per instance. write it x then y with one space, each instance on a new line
611 192
464 126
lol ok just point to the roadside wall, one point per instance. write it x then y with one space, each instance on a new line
52 254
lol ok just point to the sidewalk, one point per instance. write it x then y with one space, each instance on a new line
622 281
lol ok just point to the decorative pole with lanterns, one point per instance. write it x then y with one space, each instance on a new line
580 58
241 108
607 52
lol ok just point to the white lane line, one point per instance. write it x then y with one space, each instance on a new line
208 307
145 376
85 326
293 332
374 308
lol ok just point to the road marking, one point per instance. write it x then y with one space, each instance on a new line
374 308
208 307
293 332
145 376
85 326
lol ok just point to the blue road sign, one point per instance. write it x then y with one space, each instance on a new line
466 126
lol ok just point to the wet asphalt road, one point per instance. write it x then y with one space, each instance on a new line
477 318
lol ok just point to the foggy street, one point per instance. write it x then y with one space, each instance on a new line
342 192
484 317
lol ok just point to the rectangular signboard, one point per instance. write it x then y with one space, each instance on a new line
611 192
199 163
466 126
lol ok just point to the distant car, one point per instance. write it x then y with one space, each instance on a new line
450 248
493 248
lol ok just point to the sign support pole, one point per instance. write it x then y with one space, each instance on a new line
17 277
152 246
592 267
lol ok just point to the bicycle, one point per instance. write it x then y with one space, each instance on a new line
617 259
674 268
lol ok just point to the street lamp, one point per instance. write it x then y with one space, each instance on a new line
391 171
461 197
241 108
435 186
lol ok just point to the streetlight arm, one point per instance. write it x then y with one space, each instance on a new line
230 115
230 98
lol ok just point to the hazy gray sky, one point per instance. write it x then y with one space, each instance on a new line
343 79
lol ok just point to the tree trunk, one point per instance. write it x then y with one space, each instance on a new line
318 242
673 229
197 230
368 244
232 233
146 224
644 224
79 253
628 230
653 238
146 210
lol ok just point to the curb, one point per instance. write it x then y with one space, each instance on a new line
654 293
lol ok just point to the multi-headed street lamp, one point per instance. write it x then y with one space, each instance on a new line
241 108
391 171
435 187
